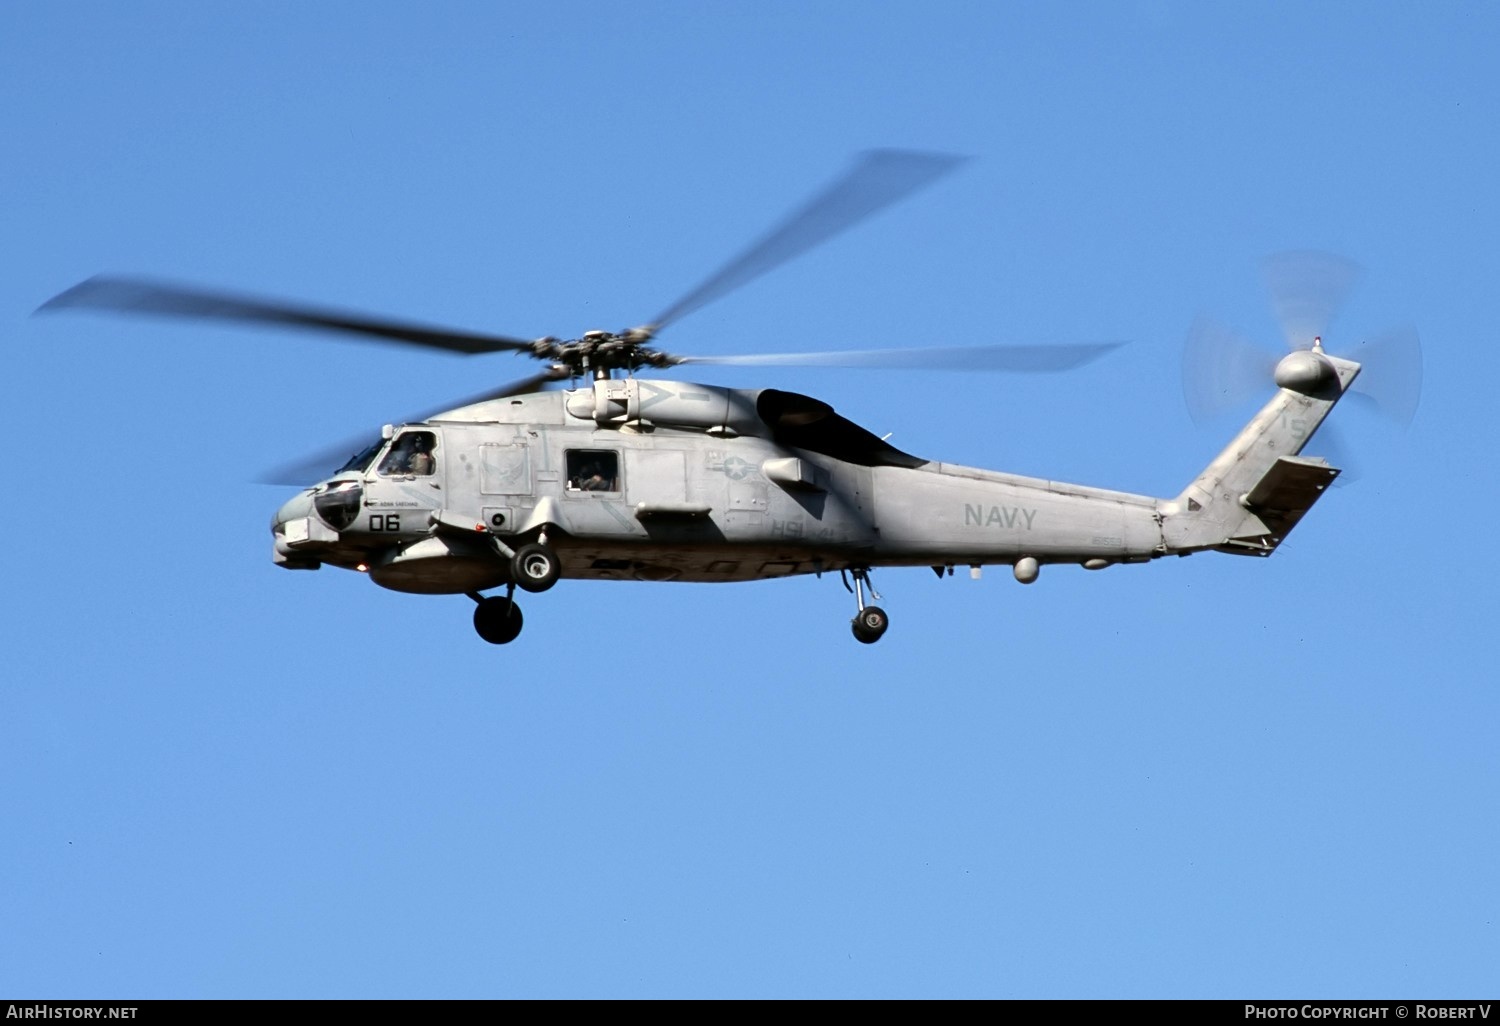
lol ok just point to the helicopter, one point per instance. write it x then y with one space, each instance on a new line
589 470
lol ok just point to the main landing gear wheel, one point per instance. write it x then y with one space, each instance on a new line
498 620
870 624
535 567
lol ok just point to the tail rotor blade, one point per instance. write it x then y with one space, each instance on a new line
1221 370
1308 288
1391 373
1333 445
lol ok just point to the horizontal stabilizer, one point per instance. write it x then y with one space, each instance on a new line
1278 501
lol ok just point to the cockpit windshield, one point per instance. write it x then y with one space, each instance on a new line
361 460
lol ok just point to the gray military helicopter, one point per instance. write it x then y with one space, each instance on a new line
588 471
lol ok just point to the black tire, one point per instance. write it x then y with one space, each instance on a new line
535 568
870 624
498 620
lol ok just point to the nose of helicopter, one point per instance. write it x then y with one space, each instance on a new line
309 523
293 527
300 505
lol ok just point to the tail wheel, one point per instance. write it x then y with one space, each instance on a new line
497 620
870 624
535 567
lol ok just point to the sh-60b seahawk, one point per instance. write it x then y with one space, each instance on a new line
612 476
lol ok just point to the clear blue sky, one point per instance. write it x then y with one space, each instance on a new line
1208 777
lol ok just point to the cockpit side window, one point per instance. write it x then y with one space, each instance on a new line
593 470
414 453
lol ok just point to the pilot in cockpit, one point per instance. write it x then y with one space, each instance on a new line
421 461
412 454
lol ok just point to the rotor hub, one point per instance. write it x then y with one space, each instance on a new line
603 351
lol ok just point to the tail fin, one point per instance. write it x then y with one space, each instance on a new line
1258 488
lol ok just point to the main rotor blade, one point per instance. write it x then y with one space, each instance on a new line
319 465
139 296
879 179
1221 370
1035 359
1308 289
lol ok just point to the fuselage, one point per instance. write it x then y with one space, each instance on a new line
641 479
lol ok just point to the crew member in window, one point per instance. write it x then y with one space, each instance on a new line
593 480
421 461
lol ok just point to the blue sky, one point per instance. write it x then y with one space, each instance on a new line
1208 777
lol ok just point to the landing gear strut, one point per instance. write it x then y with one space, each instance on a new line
534 567
870 622
498 620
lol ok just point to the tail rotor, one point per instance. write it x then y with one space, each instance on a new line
1224 371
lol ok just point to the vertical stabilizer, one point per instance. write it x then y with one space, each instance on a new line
1256 490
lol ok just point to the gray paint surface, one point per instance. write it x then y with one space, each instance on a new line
706 492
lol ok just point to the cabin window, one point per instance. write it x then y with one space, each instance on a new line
593 470
412 453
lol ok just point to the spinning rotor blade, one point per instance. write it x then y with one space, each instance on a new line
311 469
879 179
315 467
1018 358
1221 370
1390 375
1308 289
134 295
1389 384
1331 444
